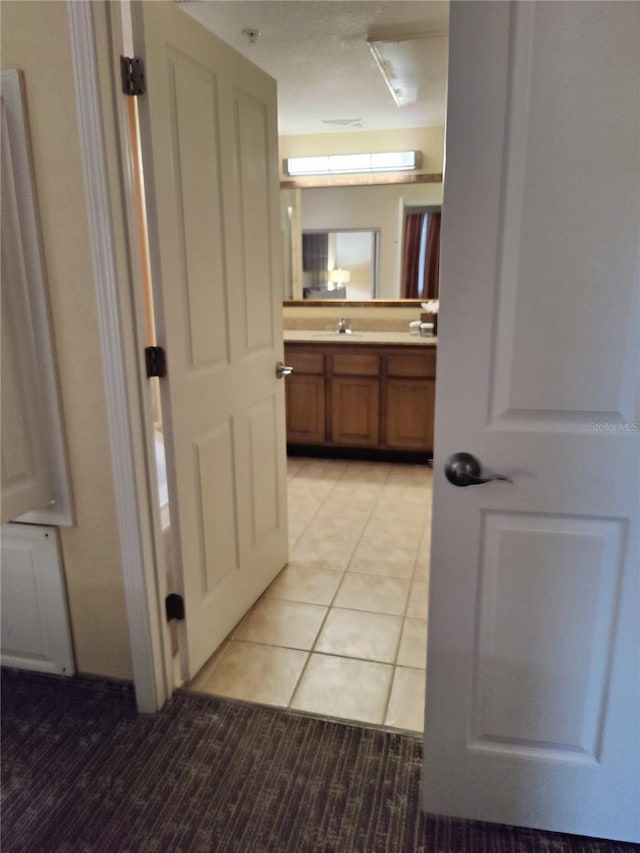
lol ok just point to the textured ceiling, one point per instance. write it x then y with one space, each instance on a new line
317 51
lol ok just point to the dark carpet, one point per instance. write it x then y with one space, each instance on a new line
81 771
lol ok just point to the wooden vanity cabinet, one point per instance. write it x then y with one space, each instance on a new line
410 390
305 398
369 396
355 398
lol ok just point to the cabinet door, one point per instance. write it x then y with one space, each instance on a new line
305 409
409 413
355 411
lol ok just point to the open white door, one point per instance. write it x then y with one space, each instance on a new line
209 140
532 676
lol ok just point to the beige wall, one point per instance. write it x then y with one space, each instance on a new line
35 39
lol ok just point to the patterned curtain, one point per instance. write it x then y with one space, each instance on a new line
411 255
421 256
315 257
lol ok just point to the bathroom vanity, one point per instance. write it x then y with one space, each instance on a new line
372 391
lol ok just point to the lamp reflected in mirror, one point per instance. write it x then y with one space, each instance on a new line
339 264
339 278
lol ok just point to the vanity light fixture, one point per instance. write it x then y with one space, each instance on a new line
341 164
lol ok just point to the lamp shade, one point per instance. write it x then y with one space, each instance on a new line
339 276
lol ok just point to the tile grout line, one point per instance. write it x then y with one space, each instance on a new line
342 478
306 663
344 572
396 665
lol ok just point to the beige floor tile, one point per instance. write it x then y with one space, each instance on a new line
418 607
204 674
322 553
342 687
415 475
406 498
421 572
336 529
406 704
389 536
305 584
358 634
390 562
364 493
343 509
324 469
393 511
413 645
374 593
293 467
303 491
256 673
302 512
283 623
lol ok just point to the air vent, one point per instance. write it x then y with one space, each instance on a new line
343 122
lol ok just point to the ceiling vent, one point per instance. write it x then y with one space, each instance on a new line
343 122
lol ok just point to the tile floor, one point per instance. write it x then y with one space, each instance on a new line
341 631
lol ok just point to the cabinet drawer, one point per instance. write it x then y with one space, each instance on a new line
356 364
305 362
422 364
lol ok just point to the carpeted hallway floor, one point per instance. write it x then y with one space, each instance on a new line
81 771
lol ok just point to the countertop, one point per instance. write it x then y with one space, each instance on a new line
314 336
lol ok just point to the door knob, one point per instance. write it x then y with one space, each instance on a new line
463 469
283 370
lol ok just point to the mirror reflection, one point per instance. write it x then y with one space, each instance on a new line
361 243
339 264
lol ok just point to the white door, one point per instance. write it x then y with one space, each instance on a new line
208 129
532 679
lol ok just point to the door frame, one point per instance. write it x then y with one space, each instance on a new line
117 279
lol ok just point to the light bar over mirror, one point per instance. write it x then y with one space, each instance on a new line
342 164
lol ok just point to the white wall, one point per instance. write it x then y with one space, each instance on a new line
355 252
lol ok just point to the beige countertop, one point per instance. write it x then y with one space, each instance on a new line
314 336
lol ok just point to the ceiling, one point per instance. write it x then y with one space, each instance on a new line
317 51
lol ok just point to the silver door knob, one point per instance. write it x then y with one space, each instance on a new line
463 469
283 370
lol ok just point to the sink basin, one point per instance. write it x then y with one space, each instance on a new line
345 335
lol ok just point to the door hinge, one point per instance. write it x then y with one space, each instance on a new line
156 361
132 73
174 606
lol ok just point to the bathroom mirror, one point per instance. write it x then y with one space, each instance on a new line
361 244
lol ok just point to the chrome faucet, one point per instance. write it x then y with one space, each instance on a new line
343 327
